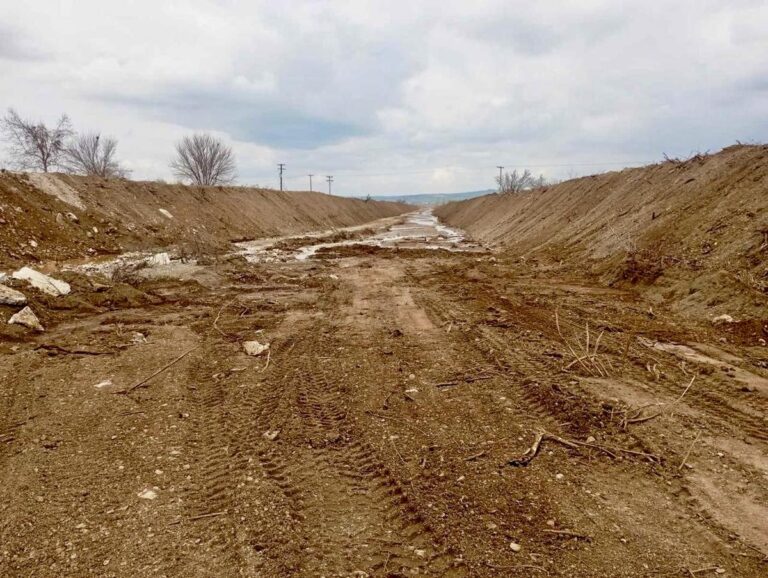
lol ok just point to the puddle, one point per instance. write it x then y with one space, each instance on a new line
419 230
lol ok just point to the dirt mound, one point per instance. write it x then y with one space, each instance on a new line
692 234
61 217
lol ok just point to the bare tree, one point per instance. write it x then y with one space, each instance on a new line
92 155
34 146
515 182
204 160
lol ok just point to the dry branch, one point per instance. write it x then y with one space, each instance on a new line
144 381
533 451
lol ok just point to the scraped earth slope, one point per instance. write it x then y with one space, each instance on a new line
55 217
693 234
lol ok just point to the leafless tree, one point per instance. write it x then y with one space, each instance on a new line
204 160
515 182
92 155
34 146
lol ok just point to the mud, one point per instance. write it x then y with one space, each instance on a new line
375 438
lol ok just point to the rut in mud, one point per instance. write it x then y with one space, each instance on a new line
406 370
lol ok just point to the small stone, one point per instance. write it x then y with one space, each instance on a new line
147 494
559 476
722 319
255 348
27 318
551 523
412 376
720 571
591 440
515 547
271 435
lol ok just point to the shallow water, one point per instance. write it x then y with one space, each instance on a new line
420 229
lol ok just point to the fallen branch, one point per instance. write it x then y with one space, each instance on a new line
533 451
143 382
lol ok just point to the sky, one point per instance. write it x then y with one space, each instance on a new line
392 97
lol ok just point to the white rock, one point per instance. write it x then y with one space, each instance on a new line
166 213
147 494
27 318
10 296
722 319
271 435
515 547
105 383
255 348
159 259
43 282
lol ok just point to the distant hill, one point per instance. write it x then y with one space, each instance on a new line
432 199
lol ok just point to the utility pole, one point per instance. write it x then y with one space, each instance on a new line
310 182
501 177
329 178
281 166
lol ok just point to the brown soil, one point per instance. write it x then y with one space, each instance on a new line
376 438
690 235
46 218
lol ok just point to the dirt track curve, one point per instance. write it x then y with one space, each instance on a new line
375 438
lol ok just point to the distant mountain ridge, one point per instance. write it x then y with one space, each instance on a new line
432 198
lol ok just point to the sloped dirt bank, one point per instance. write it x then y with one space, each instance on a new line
60 217
693 234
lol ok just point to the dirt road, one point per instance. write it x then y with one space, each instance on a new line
385 433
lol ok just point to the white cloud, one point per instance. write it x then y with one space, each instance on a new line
395 96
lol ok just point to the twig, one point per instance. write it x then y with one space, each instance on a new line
211 515
51 347
218 315
686 391
626 349
447 384
474 456
516 567
269 356
144 381
688 453
700 570
568 345
382 416
569 534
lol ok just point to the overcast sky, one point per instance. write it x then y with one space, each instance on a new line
393 96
